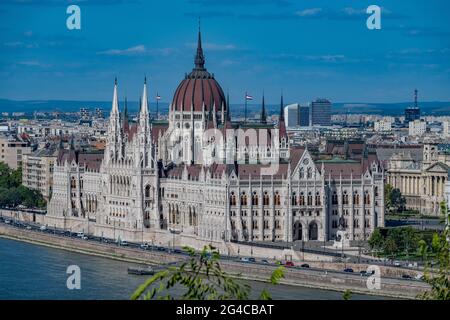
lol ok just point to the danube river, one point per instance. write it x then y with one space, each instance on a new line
29 271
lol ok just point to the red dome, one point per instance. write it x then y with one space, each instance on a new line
198 87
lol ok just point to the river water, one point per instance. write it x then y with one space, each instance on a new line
29 271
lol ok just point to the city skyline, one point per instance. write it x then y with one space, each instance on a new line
42 60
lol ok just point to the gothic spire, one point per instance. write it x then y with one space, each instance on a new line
199 57
263 111
115 102
144 102
281 108
228 117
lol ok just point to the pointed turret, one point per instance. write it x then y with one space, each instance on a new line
115 102
125 121
143 111
281 124
263 111
228 117
199 57
281 108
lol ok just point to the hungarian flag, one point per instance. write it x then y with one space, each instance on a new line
158 97
248 97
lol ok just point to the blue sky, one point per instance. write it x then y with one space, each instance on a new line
308 49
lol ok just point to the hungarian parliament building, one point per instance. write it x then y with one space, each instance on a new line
207 178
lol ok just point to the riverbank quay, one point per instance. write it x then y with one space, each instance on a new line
307 277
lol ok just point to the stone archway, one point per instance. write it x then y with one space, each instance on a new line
313 233
297 231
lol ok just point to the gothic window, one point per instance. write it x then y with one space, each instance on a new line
302 173
254 199
334 198
309 199
302 199
147 191
277 199
294 199
309 173
366 198
232 199
266 200
345 198
356 198
243 199
318 202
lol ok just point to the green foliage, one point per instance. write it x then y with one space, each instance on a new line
376 240
394 200
202 279
347 295
397 241
13 193
440 250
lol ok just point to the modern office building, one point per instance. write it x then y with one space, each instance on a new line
304 116
412 113
291 115
321 112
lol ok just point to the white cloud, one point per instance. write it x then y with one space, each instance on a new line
136 50
213 46
309 12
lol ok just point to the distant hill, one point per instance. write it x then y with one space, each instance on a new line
394 109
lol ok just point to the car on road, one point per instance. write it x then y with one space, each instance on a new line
105 240
29 228
160 248
406 276
244 259
251 259
43 228
144 246
7 221
305 265
397 263
349 270
289 264
265 261
80 234
123 243
84 238
419 276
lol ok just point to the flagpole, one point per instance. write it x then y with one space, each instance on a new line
245 109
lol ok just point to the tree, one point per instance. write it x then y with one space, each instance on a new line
394 200
203 279
376 240
440 249
390 247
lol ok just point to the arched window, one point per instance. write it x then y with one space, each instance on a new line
297 231
313 231
367 198
302 173
356 198
334 198
294 198
345 198
266 199
309 199
309 173
318 202
232 199
254 199
147 191
302 199
277 199
243 199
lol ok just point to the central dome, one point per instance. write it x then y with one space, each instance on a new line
199 87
